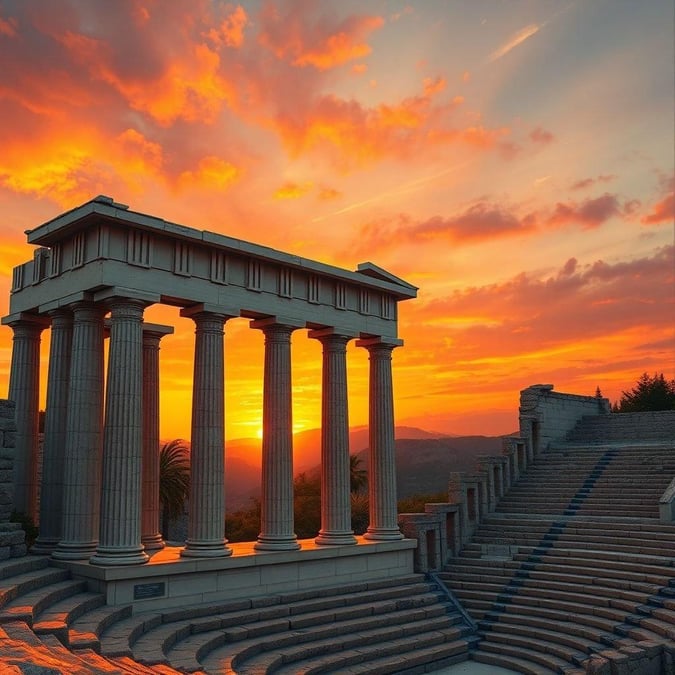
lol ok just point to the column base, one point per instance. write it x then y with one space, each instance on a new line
267 543
206 549
335 538
44 546
153 542
383 534
119 556
74 550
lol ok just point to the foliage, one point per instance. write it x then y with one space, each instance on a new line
243 524
415 503
307 504
358 477
649 393
360 512
174 479
27 525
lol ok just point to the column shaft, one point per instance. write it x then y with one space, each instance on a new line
150 535
335 477
53 449
382 456
276 505
120 542
82 461
206 524
24 390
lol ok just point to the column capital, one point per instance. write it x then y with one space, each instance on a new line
113 292
208 308
26 319
278 321
332 332
379 343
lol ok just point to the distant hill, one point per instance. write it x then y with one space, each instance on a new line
423 460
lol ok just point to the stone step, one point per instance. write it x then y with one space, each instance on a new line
56 619
28 606
241 642
518 665
555 663
15 566
358 650
84 632
153 646
577 643
27 581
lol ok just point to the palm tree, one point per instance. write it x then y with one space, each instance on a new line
358 477
174 480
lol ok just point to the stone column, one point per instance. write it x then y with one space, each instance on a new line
24 390
53 448
82 460
335 470
276 503
120 542
206 523
382 455
151 537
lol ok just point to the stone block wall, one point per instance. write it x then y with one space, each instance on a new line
12 537
546 416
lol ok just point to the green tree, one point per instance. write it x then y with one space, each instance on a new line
649 393
307 504
174 480
244 524
358 477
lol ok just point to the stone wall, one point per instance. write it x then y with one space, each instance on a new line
546 416
12 537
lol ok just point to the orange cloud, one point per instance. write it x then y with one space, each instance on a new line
576 303
212 172
541 136
303 39
662 212
291 190
231 30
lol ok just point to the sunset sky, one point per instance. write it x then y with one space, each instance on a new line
511 158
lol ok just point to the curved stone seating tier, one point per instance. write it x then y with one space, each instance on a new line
573 572
375 627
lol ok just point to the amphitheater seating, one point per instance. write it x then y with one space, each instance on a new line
573 572
374 627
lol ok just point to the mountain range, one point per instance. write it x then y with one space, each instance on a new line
423 460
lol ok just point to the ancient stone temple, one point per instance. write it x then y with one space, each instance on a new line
96 269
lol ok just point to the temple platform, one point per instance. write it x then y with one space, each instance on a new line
169 580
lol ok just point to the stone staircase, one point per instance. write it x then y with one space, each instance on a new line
573 572
388 626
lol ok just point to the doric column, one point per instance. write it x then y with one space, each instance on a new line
276 502
120 540
206 523
82 461
24 390
150 534
53 448
335 470
382 455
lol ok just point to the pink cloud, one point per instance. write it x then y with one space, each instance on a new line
662 212
541 136
574 303
590 213
589 182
